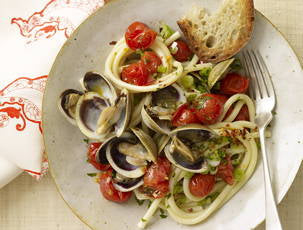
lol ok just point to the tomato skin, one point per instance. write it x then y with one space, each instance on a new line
184 53
201 184
91 155
156 178
139 36
210 110
108 190
234 83
184 115
221 97
225 171
135 73
151 61
243 115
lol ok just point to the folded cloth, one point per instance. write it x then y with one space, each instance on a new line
34 32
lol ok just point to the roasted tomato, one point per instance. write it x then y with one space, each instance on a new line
91 156
184 115
243 115
225 171
151 61
234 83
208 108
182 53
156 178
201 184
108 190
135 74
139 36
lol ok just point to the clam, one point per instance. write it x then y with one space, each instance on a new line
160 106
99 111
89 107
188 147
94 82
67 104
125 184
129 153
115 116
219 71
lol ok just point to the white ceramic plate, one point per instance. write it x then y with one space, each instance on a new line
87 49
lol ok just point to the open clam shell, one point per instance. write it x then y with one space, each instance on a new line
125 184
67 104
160 106
124 108
185 150
148 143
95 82
89 107
119 161
219 71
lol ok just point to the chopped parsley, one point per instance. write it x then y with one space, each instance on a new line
238 174
161 69
140 202
236 65
92 174
162 213
165 31
85 140
178 188
139 52
205 72
149 203
188 175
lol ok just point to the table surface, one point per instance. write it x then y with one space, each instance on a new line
26 204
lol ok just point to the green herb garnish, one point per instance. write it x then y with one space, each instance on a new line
205 72
187 81
165 31
161 69
149 204
238 174
178 188
188 175
236 65
140 202
85 140
162 213
92 174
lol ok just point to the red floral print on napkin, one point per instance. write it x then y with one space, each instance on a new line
51 19
23 109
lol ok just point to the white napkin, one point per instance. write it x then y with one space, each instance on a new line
32 35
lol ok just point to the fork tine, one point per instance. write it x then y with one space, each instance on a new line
260 77
265 74
253 75
251 89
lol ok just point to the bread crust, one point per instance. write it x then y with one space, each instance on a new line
214 55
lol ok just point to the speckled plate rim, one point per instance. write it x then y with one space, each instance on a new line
291 175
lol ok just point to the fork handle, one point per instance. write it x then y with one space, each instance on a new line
272 216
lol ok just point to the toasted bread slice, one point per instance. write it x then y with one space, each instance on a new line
214 38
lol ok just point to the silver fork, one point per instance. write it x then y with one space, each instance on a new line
262 91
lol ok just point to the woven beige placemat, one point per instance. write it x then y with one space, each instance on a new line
28 205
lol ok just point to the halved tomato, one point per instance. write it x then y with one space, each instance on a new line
91 156
108 190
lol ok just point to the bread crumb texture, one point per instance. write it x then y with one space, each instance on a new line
217 37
